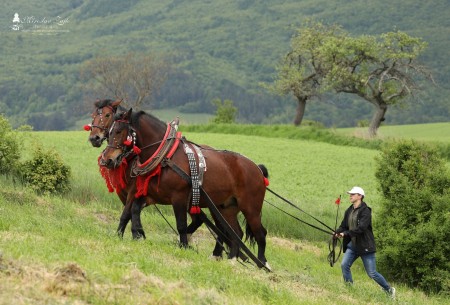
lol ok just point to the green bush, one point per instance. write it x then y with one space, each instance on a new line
45 173
414 241
226 112
9 148
363 123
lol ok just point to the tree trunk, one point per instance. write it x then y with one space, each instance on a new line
300 112
377 118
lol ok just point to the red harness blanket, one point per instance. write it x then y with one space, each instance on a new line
143 180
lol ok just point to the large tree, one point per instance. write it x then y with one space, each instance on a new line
302 68
382 70
133 77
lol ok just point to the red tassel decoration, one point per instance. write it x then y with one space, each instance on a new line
338 201
266 181
136 150
87 127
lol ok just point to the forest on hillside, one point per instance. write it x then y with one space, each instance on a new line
217 49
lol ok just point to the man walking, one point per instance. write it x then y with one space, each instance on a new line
356 230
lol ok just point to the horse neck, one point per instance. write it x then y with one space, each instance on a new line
149 135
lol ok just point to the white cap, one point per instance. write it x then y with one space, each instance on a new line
356 190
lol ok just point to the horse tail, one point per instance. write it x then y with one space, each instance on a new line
264 170
248 231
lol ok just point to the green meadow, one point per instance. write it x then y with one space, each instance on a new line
64 249
423 132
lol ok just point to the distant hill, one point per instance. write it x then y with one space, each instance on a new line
219 49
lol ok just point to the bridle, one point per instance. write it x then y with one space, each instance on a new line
129 142
102 125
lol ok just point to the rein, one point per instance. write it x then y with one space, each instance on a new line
333 242
296 207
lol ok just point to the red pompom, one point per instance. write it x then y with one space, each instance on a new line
195 209
136 150
266 181
338 201
87 127
128 141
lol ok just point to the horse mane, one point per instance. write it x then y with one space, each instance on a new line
103 103
135 118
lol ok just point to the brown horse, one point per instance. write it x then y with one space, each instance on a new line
232 182
102 120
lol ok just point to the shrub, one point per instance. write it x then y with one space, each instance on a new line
363 123
226 112
415 185
9 148
45 172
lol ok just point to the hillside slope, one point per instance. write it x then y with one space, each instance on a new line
219 49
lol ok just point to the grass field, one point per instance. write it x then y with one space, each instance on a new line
423 132
64 250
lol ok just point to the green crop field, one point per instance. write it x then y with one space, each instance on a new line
423 132
64 249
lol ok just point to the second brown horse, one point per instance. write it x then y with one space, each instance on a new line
233 182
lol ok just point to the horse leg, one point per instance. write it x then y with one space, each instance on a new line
230 216
196 222
126 214
219 246
256 231
136 226
124 219
181 219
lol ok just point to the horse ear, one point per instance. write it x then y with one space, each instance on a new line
116 103
128 114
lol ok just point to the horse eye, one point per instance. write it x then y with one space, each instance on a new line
107 115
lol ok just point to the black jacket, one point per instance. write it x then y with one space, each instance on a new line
365 241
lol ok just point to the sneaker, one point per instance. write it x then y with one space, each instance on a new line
392 292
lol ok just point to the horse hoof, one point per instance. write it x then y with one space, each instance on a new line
216 257
267 266
138 237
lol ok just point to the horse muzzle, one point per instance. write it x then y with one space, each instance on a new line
109 162
96 140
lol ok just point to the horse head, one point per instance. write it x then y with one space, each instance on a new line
102 119
121 140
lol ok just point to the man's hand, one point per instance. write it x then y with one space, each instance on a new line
338 235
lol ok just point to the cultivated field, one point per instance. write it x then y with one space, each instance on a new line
64 250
